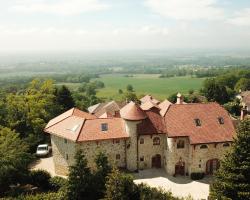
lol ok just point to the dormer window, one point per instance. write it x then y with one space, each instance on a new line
220 120
104 127
203 146
197 122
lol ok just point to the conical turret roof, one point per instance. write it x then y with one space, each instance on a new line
132 112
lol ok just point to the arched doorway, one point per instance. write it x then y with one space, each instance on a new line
180 168
212 166
156 161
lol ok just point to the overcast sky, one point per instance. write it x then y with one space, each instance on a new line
124 24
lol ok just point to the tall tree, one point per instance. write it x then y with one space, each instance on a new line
64 98
79 181
14 159
232 180
120 186
243 84
215 92
103 169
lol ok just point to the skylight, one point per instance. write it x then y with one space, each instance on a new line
74 128
197 122
104 126
221 120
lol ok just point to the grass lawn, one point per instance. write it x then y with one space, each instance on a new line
160 88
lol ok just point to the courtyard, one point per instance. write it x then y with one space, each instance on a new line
180 186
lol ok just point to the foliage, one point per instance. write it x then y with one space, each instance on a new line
40 178
130 96
64 98
232 180
130 88
120 186
58 183
233 107
103 169
14 159
215 92
79 180
243 84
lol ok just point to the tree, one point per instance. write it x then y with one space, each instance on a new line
64 98
215 92
120 186
232 180
130 88
79 181
130 96
103 169
14 159
243 84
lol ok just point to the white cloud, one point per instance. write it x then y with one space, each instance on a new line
186 9
63 7
241 18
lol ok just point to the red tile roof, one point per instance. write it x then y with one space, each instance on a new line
149 98
179 121
164 106
132 112
79 126
91 130
153 124
148 105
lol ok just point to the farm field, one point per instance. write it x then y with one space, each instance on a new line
160 88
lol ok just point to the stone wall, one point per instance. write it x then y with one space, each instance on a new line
63 154
199 157
131 149
148 150
112 148
174 155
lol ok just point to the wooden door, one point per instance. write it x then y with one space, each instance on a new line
212 166
180 169
156 161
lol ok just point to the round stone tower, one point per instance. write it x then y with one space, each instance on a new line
132 114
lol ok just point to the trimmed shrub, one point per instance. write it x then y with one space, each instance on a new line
57 183
197 175
40 178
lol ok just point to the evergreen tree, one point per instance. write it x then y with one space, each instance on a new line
232 180
120 186
79 181
64 98
130 88
103 169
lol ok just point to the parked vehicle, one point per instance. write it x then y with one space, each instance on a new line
43 150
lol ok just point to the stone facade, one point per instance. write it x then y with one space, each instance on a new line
138 152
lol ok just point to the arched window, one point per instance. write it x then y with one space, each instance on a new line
203 146
156 141
141 141
226 145
180 144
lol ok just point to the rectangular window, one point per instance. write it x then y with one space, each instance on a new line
117 156
104 127
66 156
180 144
65 141
117 141
142 158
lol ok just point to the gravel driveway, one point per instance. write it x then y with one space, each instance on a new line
44 164
179 186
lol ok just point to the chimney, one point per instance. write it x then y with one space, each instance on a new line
243 113
179 98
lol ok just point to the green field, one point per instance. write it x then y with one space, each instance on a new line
160 88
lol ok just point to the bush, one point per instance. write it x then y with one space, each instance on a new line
57 183
197 175
40 178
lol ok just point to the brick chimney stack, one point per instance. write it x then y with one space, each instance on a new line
243 113
179 98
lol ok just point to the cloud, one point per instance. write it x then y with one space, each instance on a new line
241 18
63 7
186 9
